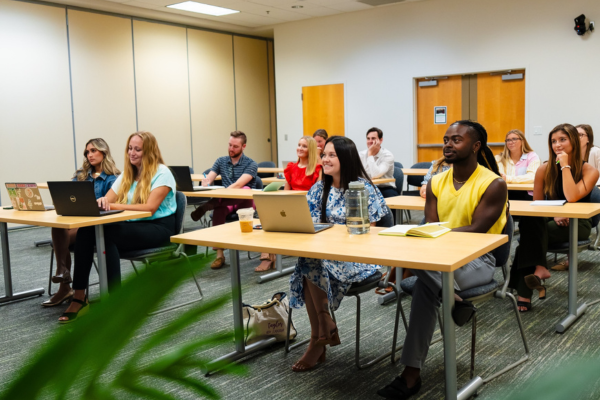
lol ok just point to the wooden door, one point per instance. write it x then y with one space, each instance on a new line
500 107
323 108
447 93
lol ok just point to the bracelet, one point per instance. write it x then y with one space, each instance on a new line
566 166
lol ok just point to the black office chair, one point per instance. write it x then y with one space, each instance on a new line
398 164
266 164
416 180
356 290
485 292
168 251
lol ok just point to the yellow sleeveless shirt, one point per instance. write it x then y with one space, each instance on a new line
457 207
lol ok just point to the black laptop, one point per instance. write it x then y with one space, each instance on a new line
76 199
183 177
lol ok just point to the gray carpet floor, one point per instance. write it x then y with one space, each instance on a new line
26 326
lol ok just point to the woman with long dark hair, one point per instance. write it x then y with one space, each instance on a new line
566 176
98 167
321 284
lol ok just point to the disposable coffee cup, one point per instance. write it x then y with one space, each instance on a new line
246 215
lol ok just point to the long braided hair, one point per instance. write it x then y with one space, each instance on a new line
485 157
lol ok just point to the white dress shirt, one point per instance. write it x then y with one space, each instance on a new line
381 165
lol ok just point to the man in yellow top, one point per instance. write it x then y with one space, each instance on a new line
471 197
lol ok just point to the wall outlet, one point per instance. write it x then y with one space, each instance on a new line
537 130
285 137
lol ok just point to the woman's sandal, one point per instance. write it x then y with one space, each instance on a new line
561 266
74 316
526 304
65 277
270 265
301 366
334 337
50 303
534 282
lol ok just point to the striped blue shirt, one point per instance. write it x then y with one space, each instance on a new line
230 173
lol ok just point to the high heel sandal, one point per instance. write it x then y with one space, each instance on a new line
334 337
74 316
526 304
65 277
301 366
534 282
50 303
271 264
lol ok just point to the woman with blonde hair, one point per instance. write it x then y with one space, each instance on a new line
437 167
301 175
517 163
98 167
145 185
566 176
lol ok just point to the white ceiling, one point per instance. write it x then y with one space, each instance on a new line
256 17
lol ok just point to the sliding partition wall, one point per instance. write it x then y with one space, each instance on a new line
67 76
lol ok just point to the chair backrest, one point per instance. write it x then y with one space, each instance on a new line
266 164
387 221
399 177
180 212
595 198
207 171
191 170
502 253
398 164
415 180
258 183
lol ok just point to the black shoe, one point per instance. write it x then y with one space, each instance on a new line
398 390
463 312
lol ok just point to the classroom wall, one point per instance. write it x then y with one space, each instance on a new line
377 53
67 76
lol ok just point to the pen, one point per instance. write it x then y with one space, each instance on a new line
205 174
557 162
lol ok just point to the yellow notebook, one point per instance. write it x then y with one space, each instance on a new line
427 230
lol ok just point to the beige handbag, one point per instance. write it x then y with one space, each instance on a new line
267 320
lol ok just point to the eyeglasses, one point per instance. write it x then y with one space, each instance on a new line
508 141
583 135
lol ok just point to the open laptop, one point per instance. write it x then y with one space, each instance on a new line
26 197
76 199
183 178
286 213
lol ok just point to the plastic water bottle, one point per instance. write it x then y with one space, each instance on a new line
357 209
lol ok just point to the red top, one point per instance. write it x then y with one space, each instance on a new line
298 180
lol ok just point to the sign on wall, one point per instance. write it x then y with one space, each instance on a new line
439 115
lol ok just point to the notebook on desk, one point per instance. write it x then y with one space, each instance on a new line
26 197
76 199
286 213
183 178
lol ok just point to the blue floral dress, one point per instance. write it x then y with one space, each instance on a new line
334 277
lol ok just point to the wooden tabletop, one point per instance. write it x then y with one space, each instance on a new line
406 202
415 171
265 170
452 250
378 181
199 177
569 210
49 218
244 194
520 186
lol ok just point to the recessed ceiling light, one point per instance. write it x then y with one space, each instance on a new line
297 6
202 8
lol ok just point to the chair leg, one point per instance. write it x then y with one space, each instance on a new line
50 277
473 341
289 347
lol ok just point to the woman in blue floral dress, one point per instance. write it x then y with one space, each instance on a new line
321 283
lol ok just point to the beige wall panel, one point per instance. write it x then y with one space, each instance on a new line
272 108
252 95
35 105
103 86
162 88
212 95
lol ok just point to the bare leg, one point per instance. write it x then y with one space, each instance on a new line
321 304
314 351
74 307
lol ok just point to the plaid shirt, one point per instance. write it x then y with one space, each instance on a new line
230 173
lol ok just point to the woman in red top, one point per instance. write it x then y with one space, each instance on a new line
300 175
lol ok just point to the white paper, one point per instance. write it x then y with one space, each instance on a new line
208 187
548 202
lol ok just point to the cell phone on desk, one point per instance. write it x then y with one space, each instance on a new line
257 227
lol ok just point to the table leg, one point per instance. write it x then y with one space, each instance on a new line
399 219
449 334
8 289
241 350
574 311
101 254
278 273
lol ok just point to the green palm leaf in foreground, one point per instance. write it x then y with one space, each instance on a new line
74 360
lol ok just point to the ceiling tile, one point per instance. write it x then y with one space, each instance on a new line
350 6
320 11
245 18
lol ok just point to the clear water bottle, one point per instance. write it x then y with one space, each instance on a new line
357 209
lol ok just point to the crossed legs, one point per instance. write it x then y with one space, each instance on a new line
61 240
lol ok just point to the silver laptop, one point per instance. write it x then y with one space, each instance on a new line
286 213
285 163
26 197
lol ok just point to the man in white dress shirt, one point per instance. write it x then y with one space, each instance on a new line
379 162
